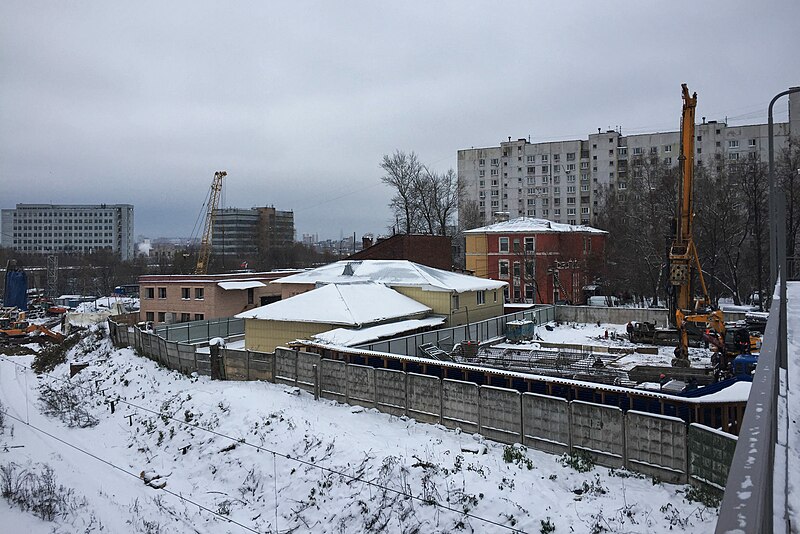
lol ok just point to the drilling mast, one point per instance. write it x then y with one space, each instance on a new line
205 244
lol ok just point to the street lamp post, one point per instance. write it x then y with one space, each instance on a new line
777 233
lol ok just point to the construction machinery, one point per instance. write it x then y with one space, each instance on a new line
205 243
20 328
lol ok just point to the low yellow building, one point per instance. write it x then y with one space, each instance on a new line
458 297
355 305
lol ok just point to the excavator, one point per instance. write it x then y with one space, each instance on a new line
20 328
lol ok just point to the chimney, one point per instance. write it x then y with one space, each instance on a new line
366 241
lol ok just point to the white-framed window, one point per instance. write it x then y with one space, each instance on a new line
751 143
622 185
733 143
162 292
481 297
570 200
637 151
584 187
570 156
186 293
495 172
495 203
667 148
481 162
622 151
584 211
570 189
557 190
668 161
570 211
584 165
481 173
532 213
557 212
502 244
495 161
570 178
733 156
545 158
545 213
531 159
545 169
556 157
495 193
502 267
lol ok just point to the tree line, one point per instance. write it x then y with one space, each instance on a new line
731 229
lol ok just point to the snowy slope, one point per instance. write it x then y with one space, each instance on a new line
327 467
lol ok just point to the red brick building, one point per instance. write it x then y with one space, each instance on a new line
542 261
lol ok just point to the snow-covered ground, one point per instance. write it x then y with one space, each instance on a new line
269 458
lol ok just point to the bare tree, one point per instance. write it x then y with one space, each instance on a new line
403 173
439 196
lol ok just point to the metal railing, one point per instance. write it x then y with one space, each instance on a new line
747 506
195 331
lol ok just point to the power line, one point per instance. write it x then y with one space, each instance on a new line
277 453
118 468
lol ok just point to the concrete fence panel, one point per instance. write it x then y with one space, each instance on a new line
461 405
361 385
598 430
285 366
186 361
501 414
390 391
173 359
656 445
261 366
424 394
307 369
163 356
710 456
333 380
546 423
203 363
235 362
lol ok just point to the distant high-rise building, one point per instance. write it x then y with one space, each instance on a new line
61 228
246 234
562 180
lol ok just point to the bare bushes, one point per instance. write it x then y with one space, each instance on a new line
35 489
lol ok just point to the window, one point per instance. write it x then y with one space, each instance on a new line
668 161
529 244
481 296
495 161
570 167
570 200
162 317
622 151
622 185
531 170
185 317
545 158
556 157
584 165
556 168
186 293
150 293
584 211
751 143
250 295
584 187
503 268
570 211
557 212
481 173
557 190
637 151
570 156
198 316
570 178
494 172
481 162
545 169
149 316
516 269
162 292
653 150
531 159
570 189
733 143
503 244
733 156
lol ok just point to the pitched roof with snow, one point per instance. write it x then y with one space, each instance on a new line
344 304
392 273
531 225
349 337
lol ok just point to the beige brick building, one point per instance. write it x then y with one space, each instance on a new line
181 298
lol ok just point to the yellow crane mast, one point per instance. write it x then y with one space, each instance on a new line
205 244
683 259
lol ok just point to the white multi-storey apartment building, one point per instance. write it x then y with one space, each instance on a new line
562 180
52 228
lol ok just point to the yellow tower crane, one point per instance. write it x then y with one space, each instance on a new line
205 244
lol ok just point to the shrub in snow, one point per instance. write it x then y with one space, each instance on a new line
68 403
580 461
35 489
513 454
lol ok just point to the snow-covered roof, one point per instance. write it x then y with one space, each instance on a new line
531 225
392 273
344 304
240 284
348 337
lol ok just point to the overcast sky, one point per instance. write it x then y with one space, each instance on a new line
140 102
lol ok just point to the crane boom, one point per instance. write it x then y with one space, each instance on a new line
205 244
683 258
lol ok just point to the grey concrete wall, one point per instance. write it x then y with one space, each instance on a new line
285 366
546 423
710 456
306 373
361 385
501 414
592 314
333 380
424 398
390 391
598 430
656 445
461 405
